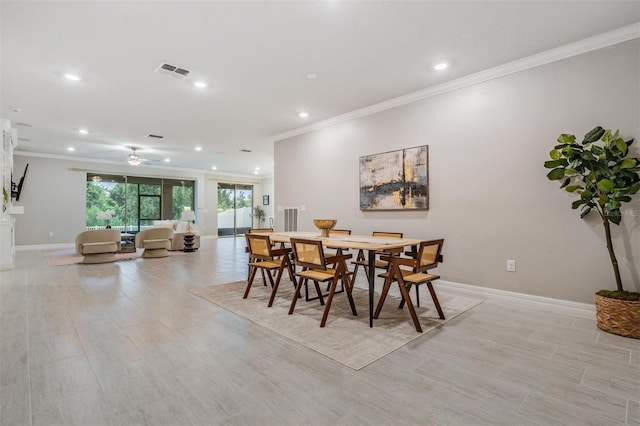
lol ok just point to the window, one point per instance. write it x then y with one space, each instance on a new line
136 201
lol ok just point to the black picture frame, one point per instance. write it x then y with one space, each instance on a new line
265 200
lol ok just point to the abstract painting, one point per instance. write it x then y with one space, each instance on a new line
396 180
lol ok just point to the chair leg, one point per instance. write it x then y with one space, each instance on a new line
383 296
435 299
348 289
296 295
319 291
332 291
407 298
275 286
252 274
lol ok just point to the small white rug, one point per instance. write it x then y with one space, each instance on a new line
346 338
70 257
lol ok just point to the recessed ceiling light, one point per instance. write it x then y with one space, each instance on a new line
303 114
441 67
256 172
198 148
83 131
214 168
71 148
200 84
72 77
312 76
167 160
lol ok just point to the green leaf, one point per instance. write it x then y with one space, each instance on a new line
556 174
605 185
566 138
572 188
622 147
614 216
552 164
603 200
577 203
570 172
565 183
628 163
556 155
586 195
593 135
634 188
585 212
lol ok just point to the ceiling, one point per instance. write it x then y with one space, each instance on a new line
256 58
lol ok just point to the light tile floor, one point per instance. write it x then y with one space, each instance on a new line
125 343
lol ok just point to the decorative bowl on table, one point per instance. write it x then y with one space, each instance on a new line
324 225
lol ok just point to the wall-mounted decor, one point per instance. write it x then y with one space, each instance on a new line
265 200
396 180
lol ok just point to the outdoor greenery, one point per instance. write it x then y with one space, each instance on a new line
226 201
601 173
123 198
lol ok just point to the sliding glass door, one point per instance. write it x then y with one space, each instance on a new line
234 208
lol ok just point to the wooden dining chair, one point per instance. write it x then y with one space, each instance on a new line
427 258
263 256
309 255
361 259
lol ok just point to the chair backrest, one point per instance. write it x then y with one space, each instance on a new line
340 232
260 230
429 254
153 234
308 253
259 246
387 234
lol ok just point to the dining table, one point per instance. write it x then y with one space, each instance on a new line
371 245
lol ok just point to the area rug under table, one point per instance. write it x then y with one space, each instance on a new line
346 338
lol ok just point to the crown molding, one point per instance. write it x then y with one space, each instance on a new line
136 170
620 35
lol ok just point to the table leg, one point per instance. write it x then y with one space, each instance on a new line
371 278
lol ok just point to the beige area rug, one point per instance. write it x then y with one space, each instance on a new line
70 257
346 338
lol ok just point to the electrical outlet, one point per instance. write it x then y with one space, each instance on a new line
511 265
303 208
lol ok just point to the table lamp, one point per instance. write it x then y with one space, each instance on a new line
188 216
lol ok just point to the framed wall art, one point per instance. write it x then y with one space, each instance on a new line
396 180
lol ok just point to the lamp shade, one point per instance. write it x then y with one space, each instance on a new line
188 215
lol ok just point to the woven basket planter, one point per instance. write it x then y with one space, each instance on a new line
621 317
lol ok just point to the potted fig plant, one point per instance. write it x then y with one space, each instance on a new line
259 215
603 175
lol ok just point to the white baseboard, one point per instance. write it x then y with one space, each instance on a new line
46 247
578 308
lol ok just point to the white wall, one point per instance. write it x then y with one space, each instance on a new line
489 196
54 196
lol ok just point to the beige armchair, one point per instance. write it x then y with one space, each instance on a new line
156 242
98 246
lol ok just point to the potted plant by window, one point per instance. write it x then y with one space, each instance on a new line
259 215
600 171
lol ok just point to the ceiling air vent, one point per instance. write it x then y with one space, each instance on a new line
245 150
173 70
151 135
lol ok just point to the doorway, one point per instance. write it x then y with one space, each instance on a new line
235 203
